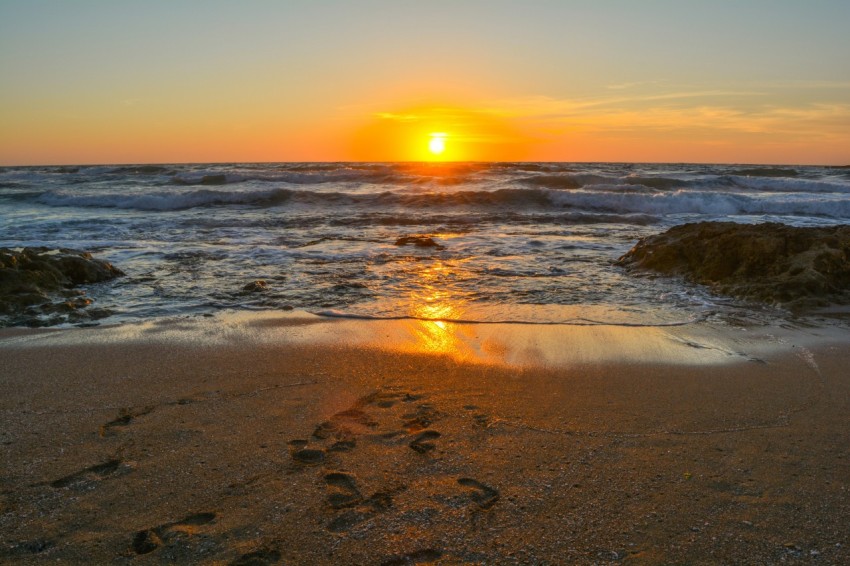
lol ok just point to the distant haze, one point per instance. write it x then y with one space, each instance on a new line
758 81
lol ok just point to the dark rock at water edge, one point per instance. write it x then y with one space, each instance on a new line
419 242
40 281
256 286
51 269
772 262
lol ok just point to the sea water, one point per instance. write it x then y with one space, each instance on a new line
522 242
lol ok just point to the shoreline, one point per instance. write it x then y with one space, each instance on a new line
696 342
287 439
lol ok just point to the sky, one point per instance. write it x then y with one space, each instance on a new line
113 81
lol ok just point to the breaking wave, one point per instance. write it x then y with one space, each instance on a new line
307 176
705 202
165 200
618 199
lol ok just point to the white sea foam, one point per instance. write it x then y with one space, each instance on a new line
712 203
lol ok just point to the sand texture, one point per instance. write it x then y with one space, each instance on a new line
155 452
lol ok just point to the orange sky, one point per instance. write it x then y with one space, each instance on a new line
97 82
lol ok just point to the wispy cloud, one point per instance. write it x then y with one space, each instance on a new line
549 106
633 84
631 121
398 117
743 111
805 85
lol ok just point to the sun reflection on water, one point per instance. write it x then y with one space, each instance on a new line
434 304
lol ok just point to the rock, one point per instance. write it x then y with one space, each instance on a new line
51 269
83 269
33 276
419 242
771 262
256 286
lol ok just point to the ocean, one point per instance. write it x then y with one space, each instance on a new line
516 242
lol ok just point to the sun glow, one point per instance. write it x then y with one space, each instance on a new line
436 133
437 143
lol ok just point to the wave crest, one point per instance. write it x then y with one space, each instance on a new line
164 201
615 199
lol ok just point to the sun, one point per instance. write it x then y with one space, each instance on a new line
437 143
437 133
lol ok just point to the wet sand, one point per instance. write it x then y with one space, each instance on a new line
279 440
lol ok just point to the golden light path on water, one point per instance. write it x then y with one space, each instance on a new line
515 345
434 306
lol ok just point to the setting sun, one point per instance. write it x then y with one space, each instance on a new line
440 131
437 143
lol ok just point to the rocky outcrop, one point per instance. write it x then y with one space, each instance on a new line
257 286
771 262
32 280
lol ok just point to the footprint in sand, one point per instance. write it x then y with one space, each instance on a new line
343 490
422 442
425 556
383 399
86 478
421 418
368 508
342 446
303 455
347 520
483 495
124 418
25 548
344 494
373 418
262 557
148 540
344 425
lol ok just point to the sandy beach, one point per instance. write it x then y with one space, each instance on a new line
271 439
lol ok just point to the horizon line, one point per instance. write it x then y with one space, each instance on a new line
422 162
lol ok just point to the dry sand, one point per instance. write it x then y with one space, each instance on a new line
270 440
